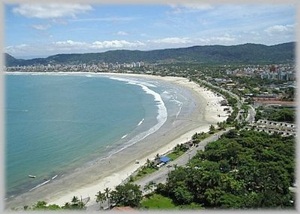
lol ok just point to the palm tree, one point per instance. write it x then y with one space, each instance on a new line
211 129
75 200
100 197
76 203
149 186
67 206
148 163
107 192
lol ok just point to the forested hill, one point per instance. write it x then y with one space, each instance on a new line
216 54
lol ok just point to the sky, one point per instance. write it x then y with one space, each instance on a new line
40 30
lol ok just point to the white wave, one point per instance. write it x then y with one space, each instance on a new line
39 185
124 136
161 116
140 123
13 73
54 177
180 107
132 81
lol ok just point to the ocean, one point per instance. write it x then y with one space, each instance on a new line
57 122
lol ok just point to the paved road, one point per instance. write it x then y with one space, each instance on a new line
251 114
161 175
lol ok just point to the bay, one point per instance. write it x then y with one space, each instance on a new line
57 123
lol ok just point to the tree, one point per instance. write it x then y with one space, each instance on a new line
229 200
244 169
149 186
75 204
42 205
100 198
107 192
222 125
67 206
148 163
182 195
212 129
127 195
213 196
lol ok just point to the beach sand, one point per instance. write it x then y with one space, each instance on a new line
108 173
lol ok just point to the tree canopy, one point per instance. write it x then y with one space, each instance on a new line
245 169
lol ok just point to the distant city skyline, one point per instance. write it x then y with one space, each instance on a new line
40 30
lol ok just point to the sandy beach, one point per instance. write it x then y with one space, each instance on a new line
86 182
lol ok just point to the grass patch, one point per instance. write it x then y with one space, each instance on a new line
175 155
157 201
143 172
192 206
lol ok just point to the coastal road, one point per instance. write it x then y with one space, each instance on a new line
251 114
161 175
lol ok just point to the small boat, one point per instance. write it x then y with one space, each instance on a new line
31 176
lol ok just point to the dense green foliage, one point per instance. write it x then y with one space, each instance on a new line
42 205
216 54
126 195
290 94
276 114
196 138
75 204
241 170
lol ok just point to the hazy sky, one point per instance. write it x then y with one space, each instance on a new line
33 30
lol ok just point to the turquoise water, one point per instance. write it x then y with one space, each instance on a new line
55 123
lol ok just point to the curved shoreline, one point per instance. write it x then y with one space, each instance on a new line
109 173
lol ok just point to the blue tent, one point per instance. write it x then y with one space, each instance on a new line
164 159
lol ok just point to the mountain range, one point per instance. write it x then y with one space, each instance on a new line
212 54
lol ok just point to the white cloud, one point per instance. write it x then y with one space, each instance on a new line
107 19
196 6
189 7
222 39
185 41
70 46
116 44
47 11
122 33
18 49
280 29
216 40
97 45
171 40
41 27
